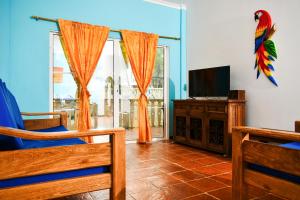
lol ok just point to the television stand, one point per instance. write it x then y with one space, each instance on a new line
207 123
208 98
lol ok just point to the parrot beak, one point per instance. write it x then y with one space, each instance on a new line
256 17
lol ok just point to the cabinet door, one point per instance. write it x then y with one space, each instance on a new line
217 133
196 124
180 128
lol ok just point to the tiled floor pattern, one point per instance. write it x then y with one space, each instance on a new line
132 134
164 170
106 122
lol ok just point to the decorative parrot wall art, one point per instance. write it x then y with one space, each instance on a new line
264 47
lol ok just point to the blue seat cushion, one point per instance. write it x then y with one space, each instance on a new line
292 145
31 144
53 129
51 177
277 173
7 120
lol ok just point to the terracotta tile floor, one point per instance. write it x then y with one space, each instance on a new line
164 170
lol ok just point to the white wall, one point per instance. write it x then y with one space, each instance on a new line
221 32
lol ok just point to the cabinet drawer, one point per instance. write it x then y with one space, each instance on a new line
180 106
217 108
196 109
180 111
196 113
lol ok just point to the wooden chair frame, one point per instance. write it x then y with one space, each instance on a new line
29 162
247 149
297 126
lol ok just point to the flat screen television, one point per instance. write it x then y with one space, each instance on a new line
209 82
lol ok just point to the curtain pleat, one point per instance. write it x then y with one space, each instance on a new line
83 44
141 50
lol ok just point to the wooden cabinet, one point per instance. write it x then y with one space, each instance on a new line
207 123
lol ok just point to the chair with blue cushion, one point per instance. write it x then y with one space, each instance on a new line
271 163
41 159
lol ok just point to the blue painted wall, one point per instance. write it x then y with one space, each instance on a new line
29 40
4 39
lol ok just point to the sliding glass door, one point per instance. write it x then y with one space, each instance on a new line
114 93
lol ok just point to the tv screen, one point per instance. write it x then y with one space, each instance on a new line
210 82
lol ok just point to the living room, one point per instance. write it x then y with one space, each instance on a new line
37 67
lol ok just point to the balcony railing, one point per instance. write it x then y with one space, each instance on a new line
128 106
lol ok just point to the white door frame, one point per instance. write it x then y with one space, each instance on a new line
166 92
51 65
116 83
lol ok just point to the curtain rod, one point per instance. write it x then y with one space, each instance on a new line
112 30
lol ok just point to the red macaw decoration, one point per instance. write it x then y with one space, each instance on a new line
264 47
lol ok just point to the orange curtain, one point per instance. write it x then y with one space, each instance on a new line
83 44
141 50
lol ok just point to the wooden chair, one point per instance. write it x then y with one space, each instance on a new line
269 166
297 126
32 162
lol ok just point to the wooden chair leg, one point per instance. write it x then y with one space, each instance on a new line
118 189
239 191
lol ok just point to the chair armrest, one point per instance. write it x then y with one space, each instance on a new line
268 133
32 135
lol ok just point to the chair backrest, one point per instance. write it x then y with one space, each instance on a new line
9 118
14 108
